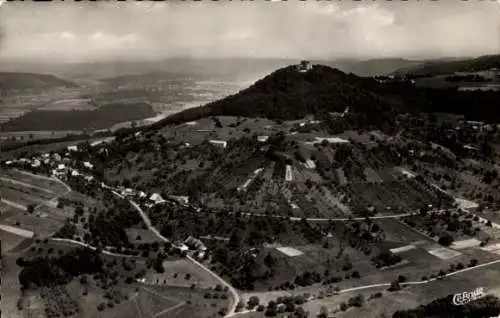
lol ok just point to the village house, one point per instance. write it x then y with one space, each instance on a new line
128 192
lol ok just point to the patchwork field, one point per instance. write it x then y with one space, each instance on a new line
32 181
42 226
22 189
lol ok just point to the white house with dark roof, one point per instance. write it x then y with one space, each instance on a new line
156 198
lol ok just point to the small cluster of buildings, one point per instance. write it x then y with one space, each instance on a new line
193 243
58 164
304 66
149 200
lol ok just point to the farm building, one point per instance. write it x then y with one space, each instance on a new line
181 199
220 143
310 164
262 138
88 165
195 244
128 192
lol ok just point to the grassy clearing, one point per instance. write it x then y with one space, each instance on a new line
395 231
137 235
196 305
182 273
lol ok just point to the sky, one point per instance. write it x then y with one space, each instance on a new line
76 32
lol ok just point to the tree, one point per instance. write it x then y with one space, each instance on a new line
357 301
79 210
323 312
271 312
31 208
394 286
445 240
343 306
252 302
301 313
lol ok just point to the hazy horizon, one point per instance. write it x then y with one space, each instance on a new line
87 32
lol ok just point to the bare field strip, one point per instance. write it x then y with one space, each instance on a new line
13 205
473 242
39 225
9 240
290 251
26 185
35 181
444 253
17 231
20 198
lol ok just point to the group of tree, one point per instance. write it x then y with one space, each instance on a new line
45 271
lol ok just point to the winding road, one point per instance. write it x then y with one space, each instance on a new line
147 221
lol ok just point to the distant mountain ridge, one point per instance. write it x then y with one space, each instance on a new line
235 67
434 68
13 80
374 67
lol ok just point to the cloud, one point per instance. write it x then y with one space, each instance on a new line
111 40
305 29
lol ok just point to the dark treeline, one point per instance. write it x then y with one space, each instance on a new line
100 118
488 306
47 141
45 271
